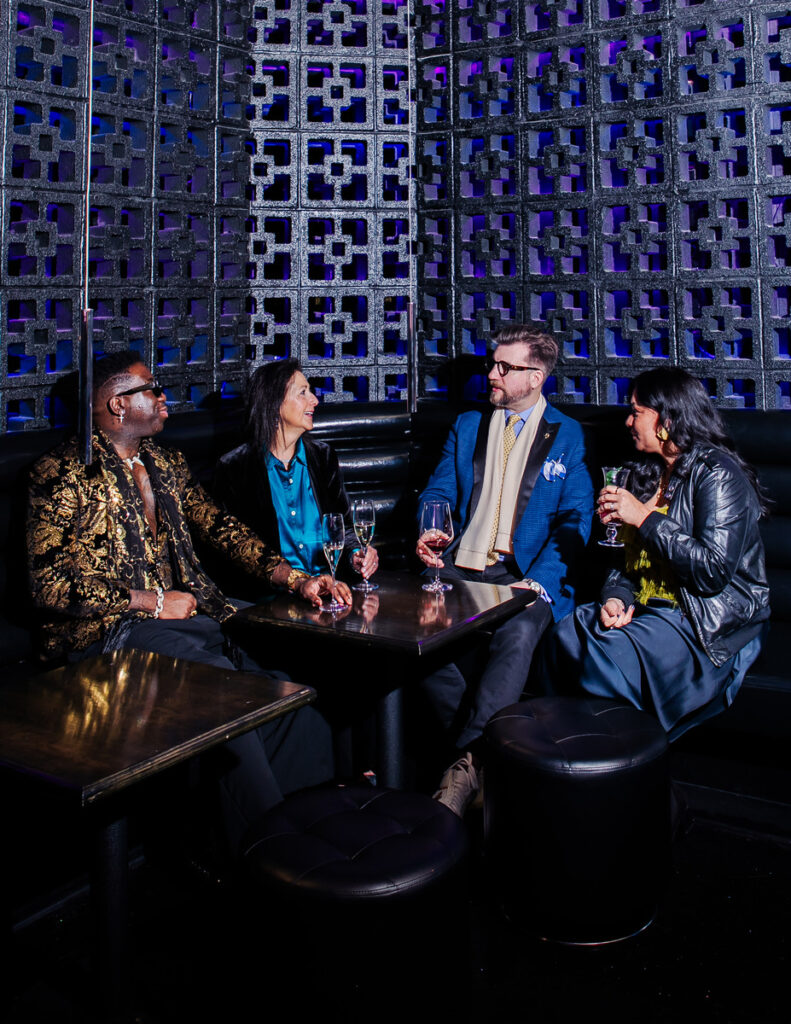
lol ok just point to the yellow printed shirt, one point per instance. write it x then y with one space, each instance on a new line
650 578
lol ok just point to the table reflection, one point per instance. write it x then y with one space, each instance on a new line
400 615
433 611
116 703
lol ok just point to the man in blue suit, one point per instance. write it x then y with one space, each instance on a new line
522 502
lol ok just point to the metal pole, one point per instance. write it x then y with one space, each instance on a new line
412 350
86 319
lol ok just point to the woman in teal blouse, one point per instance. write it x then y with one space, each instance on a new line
282 481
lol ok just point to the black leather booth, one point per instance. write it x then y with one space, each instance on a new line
387 453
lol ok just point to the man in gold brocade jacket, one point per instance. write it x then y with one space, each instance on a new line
112 565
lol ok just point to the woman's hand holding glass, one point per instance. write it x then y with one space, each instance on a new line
366 563
617 505
365 560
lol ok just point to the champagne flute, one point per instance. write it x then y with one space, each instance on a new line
436 532
364 522
615 476
333 532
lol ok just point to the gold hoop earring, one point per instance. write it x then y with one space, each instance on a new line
662 434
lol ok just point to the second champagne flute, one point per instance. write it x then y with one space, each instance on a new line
333 531
364 521
436 532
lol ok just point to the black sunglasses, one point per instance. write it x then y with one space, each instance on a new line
504 368
156 389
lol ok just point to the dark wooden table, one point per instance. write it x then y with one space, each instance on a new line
96 727
400 619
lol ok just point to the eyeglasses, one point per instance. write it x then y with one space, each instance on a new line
504 368
156 389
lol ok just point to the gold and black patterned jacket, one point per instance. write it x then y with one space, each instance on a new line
89 544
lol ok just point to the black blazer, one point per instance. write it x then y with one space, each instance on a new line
241 485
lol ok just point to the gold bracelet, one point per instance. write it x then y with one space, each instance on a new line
293 577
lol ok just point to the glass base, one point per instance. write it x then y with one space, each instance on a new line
437 587
366 587
334 606
610 543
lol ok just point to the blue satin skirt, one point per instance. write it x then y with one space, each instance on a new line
654 663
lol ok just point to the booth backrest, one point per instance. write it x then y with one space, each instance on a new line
388 454
18 452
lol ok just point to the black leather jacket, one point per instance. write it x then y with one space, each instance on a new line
710 537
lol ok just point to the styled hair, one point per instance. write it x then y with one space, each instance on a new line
115 364
690 417
265 394
543 347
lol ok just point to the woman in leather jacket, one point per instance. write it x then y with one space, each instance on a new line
281 482
676 631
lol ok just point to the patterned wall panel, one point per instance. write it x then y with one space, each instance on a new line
251 173
328 225
617 169
274 178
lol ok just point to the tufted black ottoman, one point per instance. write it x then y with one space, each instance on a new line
352 843
368 885
577 813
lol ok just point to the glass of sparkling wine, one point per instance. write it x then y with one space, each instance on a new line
364 522
436 532
614 476
333 531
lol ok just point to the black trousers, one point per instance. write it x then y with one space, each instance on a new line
464 705
262 766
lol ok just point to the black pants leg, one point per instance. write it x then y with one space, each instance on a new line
263 765
502 681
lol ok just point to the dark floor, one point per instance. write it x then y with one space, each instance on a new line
718 951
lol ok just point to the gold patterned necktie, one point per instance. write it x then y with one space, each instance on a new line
509 440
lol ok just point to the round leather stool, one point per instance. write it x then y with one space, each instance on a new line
355 843
364 889
577 816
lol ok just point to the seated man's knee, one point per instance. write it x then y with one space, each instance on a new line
526 627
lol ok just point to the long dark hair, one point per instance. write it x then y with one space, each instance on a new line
688 414
265 395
